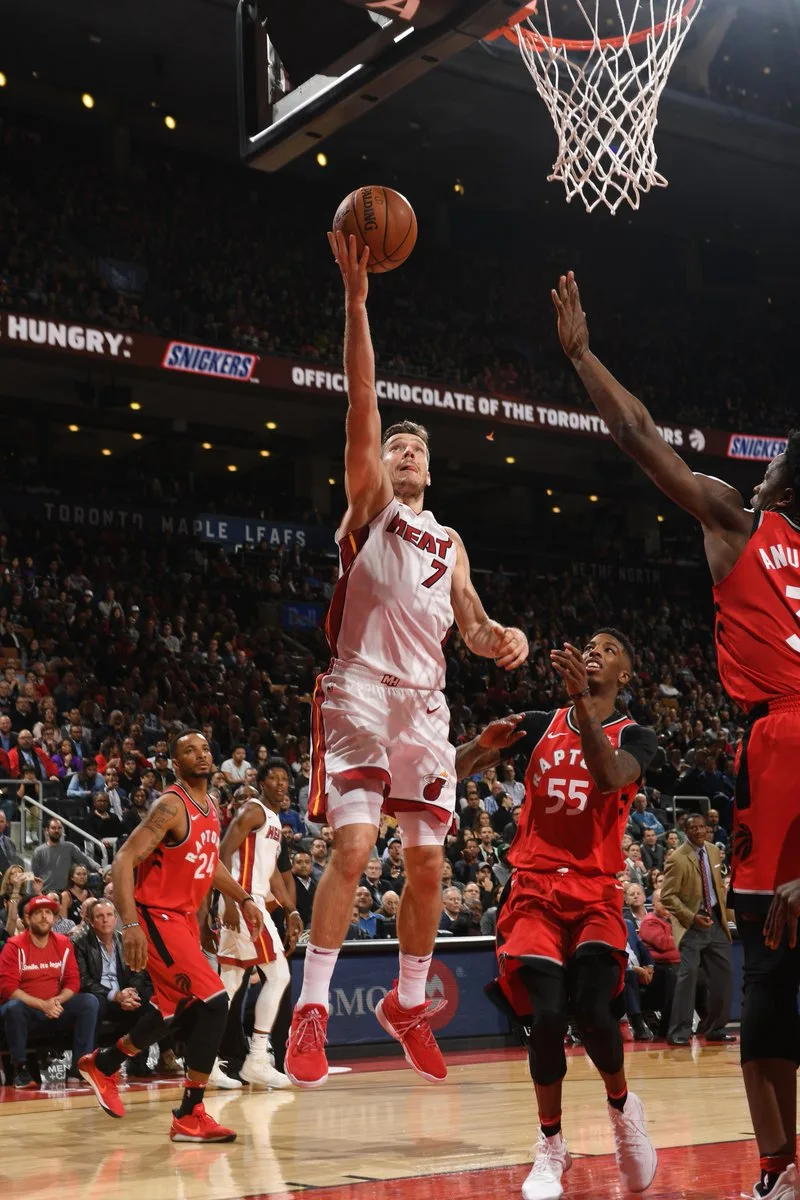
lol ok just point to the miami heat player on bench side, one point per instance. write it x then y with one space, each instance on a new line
380 722
754 559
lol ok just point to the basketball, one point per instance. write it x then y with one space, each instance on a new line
382 219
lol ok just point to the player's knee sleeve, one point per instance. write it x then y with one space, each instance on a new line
593 980
149 1029
546 1058
277 974
770 1022
203 1041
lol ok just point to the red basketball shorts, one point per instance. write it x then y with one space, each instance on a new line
766 820
179 970
550 914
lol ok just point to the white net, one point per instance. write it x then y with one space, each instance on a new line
603 94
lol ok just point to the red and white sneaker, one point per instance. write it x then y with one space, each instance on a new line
411 1028
199 1127
103 1086
785 1187
306 1063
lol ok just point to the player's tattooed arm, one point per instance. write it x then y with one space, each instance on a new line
483 636
168 815
485 750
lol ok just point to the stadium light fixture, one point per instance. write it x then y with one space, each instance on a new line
660 519
458 188
135 406
74 428
207 446
232 467
555 509
271 425
510 459
106 453
3 79
170 123
87 100
264 453
594 498
137 437
549 492
322 158
332 481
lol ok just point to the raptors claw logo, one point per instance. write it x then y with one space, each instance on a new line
743 843
183 983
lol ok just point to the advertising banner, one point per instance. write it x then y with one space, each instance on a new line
47 336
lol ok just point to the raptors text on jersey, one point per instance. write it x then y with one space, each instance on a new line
758 615
566 821
391 611
179 877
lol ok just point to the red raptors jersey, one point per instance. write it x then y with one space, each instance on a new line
758 615
179 876
566 822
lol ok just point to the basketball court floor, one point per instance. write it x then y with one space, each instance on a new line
379 1132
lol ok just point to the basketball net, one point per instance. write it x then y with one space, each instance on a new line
603 93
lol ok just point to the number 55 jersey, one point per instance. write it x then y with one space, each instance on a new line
566 821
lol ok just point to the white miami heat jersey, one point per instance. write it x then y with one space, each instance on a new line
253 864
391 611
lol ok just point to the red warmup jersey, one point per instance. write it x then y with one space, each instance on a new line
758 615
179 877
566 821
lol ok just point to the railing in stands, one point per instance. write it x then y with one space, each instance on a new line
42 809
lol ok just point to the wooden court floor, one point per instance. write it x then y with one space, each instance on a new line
381 1133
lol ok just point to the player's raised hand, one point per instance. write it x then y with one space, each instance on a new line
784 912
570 666
572 328
352 265
513 649
499 735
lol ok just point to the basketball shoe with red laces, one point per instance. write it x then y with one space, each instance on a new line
305 1062
198 1126
103 1086
411 1028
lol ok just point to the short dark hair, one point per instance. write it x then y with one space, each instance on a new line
624 641
695 817
176 741
793 462
271 764
407 427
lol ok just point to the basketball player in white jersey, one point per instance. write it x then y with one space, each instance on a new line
380 722
250 851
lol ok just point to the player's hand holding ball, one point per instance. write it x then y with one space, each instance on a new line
572 328
253 918
134 947
352 264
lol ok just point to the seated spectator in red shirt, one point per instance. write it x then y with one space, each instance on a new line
25 753
656 933
40 983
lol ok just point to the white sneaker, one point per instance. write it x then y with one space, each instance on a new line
258 1069
552 1160
786 1186
219 1079
636 1155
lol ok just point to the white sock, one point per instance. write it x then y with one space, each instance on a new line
259 1044
317 975
413 977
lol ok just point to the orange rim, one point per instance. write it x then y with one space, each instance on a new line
538 41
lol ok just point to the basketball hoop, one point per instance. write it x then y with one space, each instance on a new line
603 92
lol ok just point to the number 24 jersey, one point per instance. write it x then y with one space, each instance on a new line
566 821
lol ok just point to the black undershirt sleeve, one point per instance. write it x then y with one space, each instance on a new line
534 723
641 742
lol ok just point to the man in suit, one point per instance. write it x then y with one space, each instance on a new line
304 884
652 852
695 899
121 992
454 919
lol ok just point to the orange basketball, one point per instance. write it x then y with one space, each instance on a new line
382 219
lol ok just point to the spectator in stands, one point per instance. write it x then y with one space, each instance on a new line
634 866
25 753
8 738
486 884
473 806
304 884
652 850
466 868
104 974
12 894
136 813
77 891
290 816
642 818
52 860
638 974
454 919
164 777
67 762
487 853
84 785
656 933
503 814
501 871
512 786
130 776
117 800
148 785
387 915
636 904
40 983
103 824
447 874
236 767
371 879
367 918
8 851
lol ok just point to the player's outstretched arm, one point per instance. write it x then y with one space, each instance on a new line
716 505
487 748
167 815
366 481
483 636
